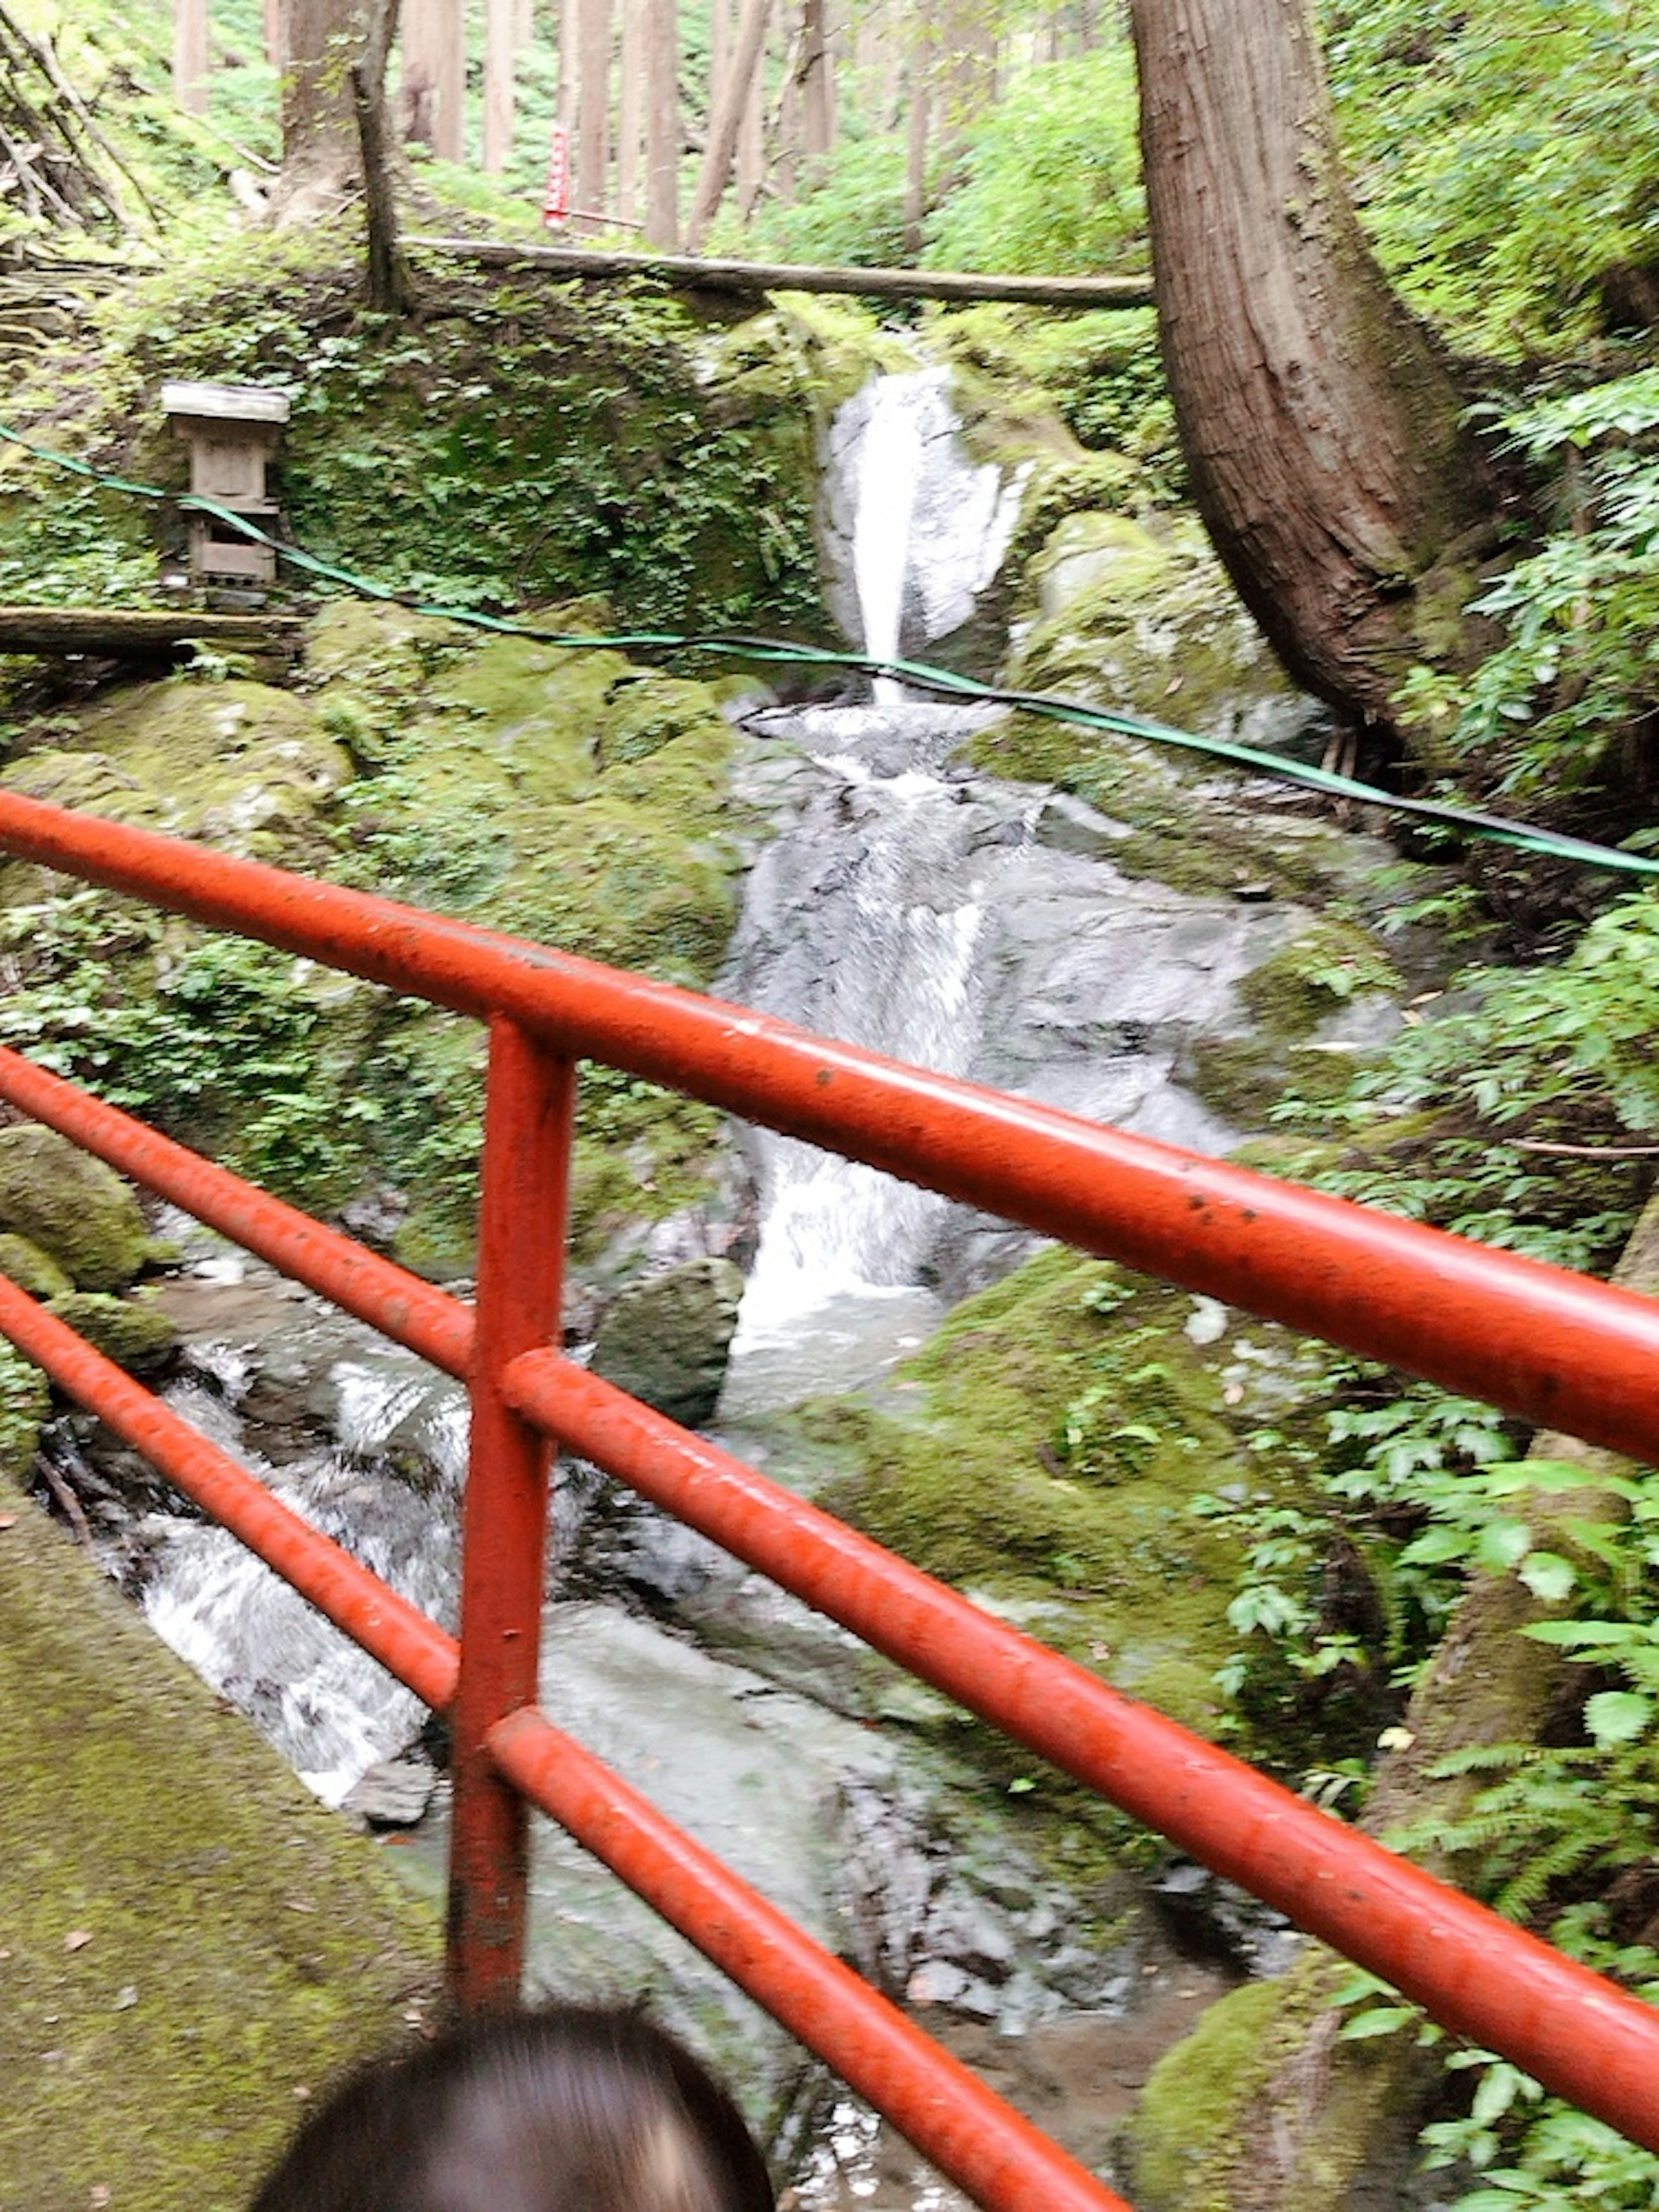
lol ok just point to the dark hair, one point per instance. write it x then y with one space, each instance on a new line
571 2108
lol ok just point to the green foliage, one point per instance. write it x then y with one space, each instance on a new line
1052 177
514 447
1505 154
851 211
218 1039
1550 709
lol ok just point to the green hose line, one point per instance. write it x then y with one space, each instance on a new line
919 675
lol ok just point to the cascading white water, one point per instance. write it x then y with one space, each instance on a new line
327 1705
918 528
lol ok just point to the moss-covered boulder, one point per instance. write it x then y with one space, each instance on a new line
1144 620
73 1208
238 765
32 1269
665 1339
133 1332
1045 1451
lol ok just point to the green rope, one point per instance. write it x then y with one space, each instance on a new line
919 675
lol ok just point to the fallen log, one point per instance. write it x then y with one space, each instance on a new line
163 633
688 272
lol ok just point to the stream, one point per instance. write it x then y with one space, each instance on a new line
905 902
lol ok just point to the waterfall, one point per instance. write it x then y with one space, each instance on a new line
915 530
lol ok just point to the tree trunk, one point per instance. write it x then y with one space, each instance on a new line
630 113
815 77
918 126
435 76
592 123
322 165
500 52
389 289
189 55
1320 422
726 120
749 169
275 29
662 124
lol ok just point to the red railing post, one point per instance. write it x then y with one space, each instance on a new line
522 1214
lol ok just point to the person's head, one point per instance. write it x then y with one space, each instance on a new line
567 2109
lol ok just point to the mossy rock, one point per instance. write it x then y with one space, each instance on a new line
75 1209
133 1332
665 1339
1197 2100
194 1945
236 764
1044 1450
32 1269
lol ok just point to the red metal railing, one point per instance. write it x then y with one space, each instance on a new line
1546 1344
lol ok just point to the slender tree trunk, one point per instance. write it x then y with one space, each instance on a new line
389 291
918 133
592 123
662 121
435 76
815 77
189 55
630 111
1320 424
275 30
570 38
501 53
726 121
750 170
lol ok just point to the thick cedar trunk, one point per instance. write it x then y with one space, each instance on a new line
1321 425
321 166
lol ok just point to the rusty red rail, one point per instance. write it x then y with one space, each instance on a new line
1545 1344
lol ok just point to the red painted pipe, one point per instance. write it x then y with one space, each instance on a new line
966 2132
529 1120
388 1628
431 1323
1553 1347
1477 1974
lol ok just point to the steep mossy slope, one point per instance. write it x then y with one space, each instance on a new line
573 797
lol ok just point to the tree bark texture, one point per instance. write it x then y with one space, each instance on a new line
1319 422
662 124
501 54
189 55
593 122
435 76
815 77
321 165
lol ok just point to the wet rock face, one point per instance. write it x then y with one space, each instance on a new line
666 1339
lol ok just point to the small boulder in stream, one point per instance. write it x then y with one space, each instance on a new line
667 1339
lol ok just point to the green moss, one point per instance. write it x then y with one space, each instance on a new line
192 1943
32 1269
133 1332
237 764
1320 971
25 1401
78 1211
1197 2103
